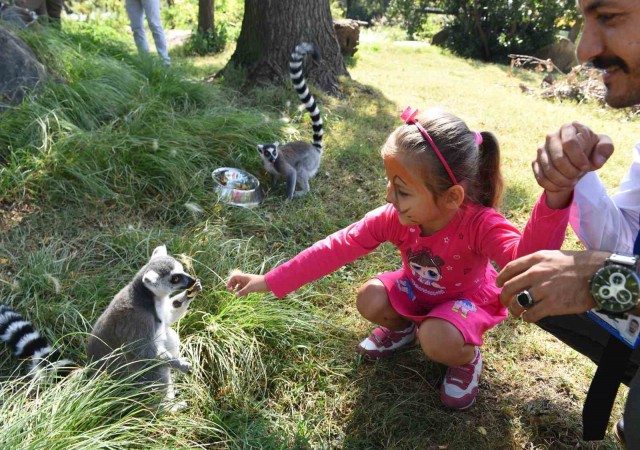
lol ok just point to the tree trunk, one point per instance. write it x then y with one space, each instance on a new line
205 15
575 30
483 38
349 8
270 31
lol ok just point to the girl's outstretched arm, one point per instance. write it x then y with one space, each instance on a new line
246 283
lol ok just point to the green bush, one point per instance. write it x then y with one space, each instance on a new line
365 9
411 14
208 41
492 29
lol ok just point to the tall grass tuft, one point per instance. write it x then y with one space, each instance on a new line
114 128
89 409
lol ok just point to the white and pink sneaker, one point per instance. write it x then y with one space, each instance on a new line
460 385
383 342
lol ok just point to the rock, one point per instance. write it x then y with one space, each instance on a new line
17 16
562 53
348 33
20 71
440 38
39 6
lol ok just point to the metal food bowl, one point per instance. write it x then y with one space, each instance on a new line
237 187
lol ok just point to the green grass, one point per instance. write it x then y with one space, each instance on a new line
102 165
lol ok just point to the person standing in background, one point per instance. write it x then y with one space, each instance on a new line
137 10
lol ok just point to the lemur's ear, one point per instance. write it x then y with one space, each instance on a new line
150 277
260 147
160 250
276 144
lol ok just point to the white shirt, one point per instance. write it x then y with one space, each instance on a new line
608 223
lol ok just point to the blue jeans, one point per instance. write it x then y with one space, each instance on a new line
137 10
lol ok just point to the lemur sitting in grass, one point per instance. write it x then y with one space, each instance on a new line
132 334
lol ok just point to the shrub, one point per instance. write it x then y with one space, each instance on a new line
208 41
492 29
411 14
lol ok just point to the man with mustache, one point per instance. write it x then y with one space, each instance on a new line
554 289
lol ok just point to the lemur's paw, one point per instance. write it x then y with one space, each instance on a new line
195 289
172 405
183 365
178 406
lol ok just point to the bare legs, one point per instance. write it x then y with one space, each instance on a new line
439 339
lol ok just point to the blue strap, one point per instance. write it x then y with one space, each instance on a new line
605 383
636 244
603 389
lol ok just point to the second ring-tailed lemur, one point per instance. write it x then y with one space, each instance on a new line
134 332
297 161
27 343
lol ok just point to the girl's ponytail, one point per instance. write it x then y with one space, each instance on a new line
490 183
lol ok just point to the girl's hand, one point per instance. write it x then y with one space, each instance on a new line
245 283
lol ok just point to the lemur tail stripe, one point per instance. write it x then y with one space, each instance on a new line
26 342
300 85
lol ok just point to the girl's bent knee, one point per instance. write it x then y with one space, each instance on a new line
368 294
374 305
443 343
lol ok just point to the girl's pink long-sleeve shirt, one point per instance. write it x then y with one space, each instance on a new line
451 263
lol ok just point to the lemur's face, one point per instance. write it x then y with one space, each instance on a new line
164 274
269 152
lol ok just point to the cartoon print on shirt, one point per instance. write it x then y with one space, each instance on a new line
426 267
404 285
463 307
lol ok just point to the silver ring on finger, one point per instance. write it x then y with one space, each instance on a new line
525 299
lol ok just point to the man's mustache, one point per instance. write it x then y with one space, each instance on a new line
602 62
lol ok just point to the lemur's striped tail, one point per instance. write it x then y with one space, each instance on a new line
27 343
300 85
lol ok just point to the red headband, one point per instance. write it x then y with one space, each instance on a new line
410 118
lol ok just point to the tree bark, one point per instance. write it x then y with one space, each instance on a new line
575 30
483 38
270 31
205 15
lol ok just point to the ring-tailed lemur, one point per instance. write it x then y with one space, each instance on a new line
142 313
27 343
297 161
135 329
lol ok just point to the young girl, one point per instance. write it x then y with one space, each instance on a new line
443 182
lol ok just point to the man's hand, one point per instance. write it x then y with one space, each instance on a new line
557 280
568 154
245 283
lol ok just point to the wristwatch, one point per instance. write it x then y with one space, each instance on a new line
616 287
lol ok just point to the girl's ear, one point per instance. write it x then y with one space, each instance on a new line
454 197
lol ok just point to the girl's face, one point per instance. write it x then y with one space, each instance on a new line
416 205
